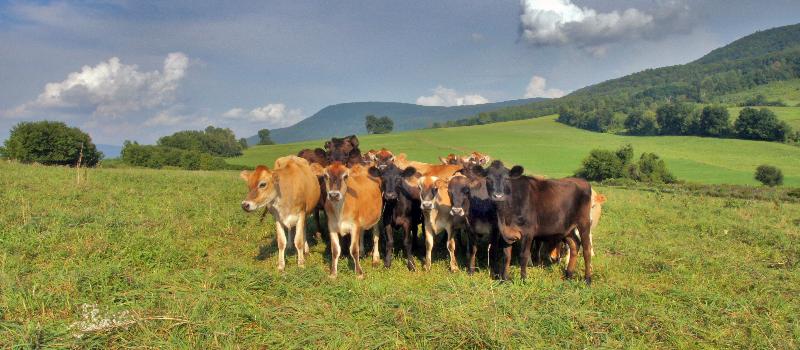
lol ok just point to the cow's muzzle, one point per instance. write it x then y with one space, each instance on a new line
390 195
427 205
457 211
334 195
248 206
498 196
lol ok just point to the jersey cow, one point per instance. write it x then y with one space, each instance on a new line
353 205
529 208
436 207
290 191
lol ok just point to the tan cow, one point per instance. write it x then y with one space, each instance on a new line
436 209
474 158
354 205
290 192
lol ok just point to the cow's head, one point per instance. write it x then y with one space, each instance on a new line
451 159
335 177
459 189
392 179
339 149
498 179
477 158
261 188
432 191
383 159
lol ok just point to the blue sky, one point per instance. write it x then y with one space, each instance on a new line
139 70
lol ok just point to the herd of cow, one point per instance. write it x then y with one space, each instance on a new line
381 192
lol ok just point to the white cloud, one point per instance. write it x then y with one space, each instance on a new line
443 96
112 88
164 118
560 22
477 37
276 114
537 87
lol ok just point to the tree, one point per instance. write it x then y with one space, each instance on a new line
674 118
641 123
263 137
761 124
769 175
651 168
382 125
243 143
215 141
714 121
50 143
601 165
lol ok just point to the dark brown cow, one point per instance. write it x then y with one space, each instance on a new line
345 150
317 156
473 210
401 209
383 158
529 208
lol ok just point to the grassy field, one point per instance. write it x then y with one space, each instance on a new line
787 91
790 115
546 147
173 260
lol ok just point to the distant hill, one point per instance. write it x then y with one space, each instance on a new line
348 118
758 59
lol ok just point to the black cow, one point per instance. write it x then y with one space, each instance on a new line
529 208
401 209
473 210
345 150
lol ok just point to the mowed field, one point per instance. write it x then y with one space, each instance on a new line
167 259
549 148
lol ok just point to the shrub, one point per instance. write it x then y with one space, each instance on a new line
714 121
761 124
653 169
769 175
600 165
215 141
150 156
674 118
50 143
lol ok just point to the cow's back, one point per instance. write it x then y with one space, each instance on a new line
299 187
559 203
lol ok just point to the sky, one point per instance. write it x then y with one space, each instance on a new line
138 70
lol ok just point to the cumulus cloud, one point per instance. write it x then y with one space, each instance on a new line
443 96
276 114
112 88
560 22
537 87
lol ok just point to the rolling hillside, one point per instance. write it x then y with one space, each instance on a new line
348 118
549 148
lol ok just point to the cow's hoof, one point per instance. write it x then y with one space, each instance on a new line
568 275
376 263
332 276
387 265
360 276
411 266
281 269
426 267
301 265
453 269
588 281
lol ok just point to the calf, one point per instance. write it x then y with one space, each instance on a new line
436 207
383 158
529 208
401 209
353 205
289 192
474 210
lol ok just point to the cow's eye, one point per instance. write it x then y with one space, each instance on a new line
345 176
262 184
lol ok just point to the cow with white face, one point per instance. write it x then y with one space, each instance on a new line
290 192
436 207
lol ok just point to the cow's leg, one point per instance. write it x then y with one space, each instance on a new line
408 243
387 259
572 260
428 246
280 232
318 234
355 250
586 244
506 262
451 248
524 255
336 250
300 240
376 237
473 251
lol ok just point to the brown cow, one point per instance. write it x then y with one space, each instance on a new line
345 150
529 208
353 205
290 192
383 158
474 158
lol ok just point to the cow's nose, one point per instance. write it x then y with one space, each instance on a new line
457 211
498 196
390 195
427 205
246 206
334 195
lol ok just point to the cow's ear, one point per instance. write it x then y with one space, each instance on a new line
245 175
516 171
443 160
317 169
328 145
374 172
408 172
321 152
600 199
353 140
479 170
